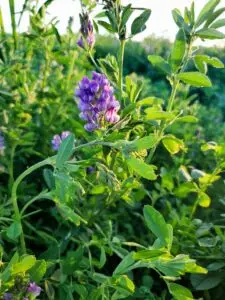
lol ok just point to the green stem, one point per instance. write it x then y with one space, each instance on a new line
120 61
173 95
176 82
14 196
93 61
11 170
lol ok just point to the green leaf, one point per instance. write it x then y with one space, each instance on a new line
215 266
160 63
138 24
81 290
69 215
214 16
141 168
178 50
14 230
125 264
106 25
184 189
7 272
65 151
149 101
204 200
49 289
180 292
172 144
210 34
178 19
123 284
207 282
49 178
218 24
195 79
24 265
208 242
187 119
206 12
127 12
153 114
205 59
170 235
144 143
72 261
38 271
148 255
156 224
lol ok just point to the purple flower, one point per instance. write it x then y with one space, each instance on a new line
90 170
57 139
96 102
34 289
2 142
8 296
87 38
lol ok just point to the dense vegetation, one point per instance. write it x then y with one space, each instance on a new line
116 190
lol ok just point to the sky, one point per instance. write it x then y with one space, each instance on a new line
160 23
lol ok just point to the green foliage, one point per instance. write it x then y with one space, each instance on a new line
134 210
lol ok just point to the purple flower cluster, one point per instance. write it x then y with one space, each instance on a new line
8 296
87 38
57 139
33 289
97 102
2 142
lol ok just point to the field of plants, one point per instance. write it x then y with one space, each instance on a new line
112 156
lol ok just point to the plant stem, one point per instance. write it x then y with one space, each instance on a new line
176 82
173 95
120 61
47 161
11 171
93 61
